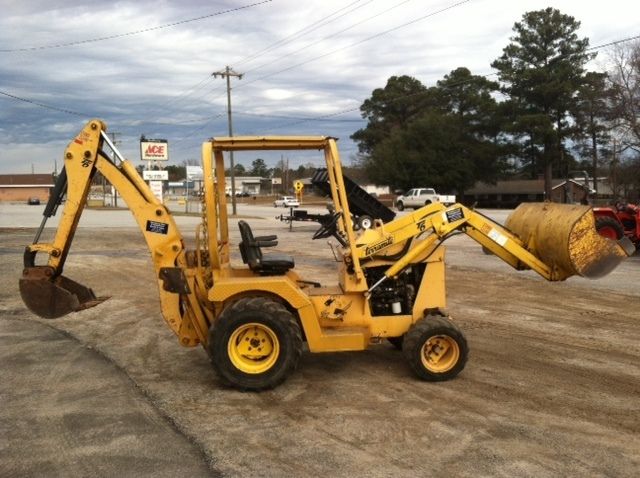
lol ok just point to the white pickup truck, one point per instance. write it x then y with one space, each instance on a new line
418 197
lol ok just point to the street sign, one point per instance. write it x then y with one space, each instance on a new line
156 189
152 175
194 173
298 186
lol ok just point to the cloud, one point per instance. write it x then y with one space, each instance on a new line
329 58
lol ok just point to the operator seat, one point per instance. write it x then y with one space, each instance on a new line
267 265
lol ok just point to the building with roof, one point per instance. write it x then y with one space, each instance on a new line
21 187
508 194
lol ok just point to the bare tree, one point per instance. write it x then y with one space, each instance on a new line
625 83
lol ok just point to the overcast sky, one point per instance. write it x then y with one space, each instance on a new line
308 65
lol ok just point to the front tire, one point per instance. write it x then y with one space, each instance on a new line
435 348
610 228
255 344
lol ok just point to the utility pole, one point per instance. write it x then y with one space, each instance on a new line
228 73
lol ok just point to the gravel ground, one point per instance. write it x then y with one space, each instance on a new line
552 387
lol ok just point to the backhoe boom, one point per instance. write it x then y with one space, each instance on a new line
49 294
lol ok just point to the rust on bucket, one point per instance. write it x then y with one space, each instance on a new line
564 237
52 297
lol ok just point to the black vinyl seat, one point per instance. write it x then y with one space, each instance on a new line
250 249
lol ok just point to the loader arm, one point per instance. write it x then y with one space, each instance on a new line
556 241
49 294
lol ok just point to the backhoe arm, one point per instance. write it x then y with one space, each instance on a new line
49 294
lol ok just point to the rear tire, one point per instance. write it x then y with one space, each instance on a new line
400 206
435 348
255 344
610 228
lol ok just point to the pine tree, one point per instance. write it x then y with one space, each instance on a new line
541 70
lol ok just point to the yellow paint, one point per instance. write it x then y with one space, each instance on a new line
440 353
253 348
554 242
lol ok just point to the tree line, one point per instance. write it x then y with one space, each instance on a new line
544 115
258 168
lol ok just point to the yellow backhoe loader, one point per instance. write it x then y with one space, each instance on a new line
254 319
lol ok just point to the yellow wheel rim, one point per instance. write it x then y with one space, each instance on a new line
440 353
253 348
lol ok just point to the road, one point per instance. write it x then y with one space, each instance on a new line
551 387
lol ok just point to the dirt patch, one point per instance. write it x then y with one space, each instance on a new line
551 388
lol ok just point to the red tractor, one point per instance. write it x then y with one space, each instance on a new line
618 221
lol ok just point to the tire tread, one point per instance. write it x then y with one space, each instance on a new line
219 358
426 327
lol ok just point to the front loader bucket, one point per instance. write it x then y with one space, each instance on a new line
564 237
51 298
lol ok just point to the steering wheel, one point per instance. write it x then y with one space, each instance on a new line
328 228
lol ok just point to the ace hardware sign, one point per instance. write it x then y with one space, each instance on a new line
154 149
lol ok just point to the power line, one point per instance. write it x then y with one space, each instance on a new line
377 35
288 39
162 109
303 31
459 83
300 120
331 36
297 118
184 122
328 116
43 105
331 116
187 92
598 47
193 132
136 32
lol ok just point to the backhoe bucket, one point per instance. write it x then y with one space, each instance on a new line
51 298
564 237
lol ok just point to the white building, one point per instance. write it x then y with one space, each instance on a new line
244 185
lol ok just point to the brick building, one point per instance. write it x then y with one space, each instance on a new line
21 187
